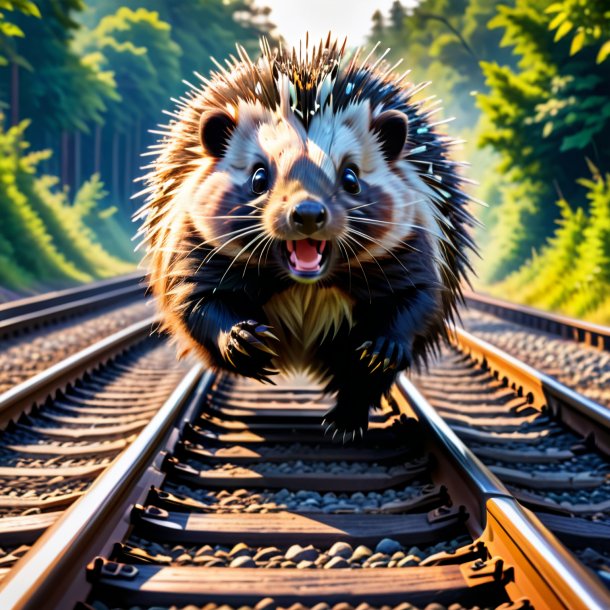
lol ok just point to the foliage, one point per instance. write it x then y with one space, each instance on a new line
199 29
10 30
68 231
109 230
444 41
587 20
92 79
61 92
572 272
543 118
137 48
543 109
43 239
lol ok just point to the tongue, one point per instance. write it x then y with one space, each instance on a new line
304 256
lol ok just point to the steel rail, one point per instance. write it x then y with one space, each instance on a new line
545 571
22 397
595 335
40 579
585 416
44 308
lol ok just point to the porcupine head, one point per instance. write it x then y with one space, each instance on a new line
303 214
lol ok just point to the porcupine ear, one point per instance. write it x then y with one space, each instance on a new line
215 129
391 127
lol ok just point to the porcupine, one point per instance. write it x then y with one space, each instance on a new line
303 213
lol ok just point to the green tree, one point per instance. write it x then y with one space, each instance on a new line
591 272
586 21
63 93
27 243
137 48
10 30
378 27
544 118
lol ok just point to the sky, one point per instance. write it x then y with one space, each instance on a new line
351 18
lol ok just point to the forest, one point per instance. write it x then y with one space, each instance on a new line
81 87
83 83
529 83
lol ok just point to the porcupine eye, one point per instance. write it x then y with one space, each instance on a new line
260 181
350 181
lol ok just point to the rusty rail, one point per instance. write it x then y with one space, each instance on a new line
580 331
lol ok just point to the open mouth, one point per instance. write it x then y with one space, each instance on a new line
307 258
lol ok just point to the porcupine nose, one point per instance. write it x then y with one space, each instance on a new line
309 216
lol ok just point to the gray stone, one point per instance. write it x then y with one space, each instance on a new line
239 550
388 546
266 604
296 553
341 549
243 562
267 553
361 552
408 561
336 563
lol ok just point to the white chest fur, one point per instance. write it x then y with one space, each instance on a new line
302 316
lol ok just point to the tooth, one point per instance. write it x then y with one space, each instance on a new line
290 246
322 246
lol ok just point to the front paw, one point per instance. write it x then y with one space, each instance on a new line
247 350
384 354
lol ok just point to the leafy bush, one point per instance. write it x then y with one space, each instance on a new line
22 227
112 232
43 239
571 273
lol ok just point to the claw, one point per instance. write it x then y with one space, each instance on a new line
344 437
376 367
361 432
265 332
365 345
228 357
353 436
364 355
240 348
386 364
329 428
334 434
263 348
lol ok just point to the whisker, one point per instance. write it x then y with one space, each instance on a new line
230 216
265 252
348 245
252 241
374 259
349 266
216 250
382 246
263 239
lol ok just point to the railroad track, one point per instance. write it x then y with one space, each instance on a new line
580 331
37 332
62 428
232 496
575 352
547 443
42 309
